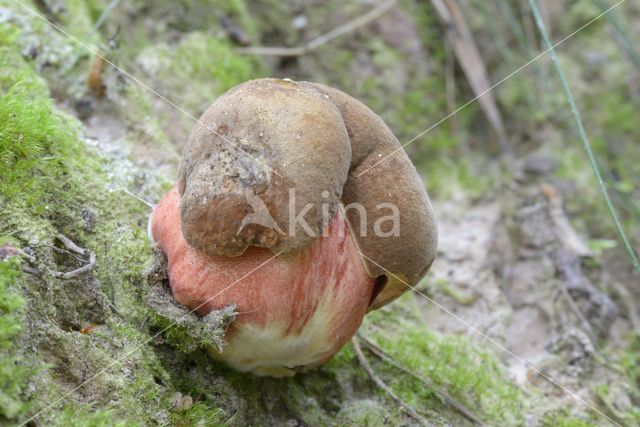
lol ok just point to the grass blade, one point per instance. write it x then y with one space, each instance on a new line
622 37
583 135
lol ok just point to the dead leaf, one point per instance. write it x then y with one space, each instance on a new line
468 56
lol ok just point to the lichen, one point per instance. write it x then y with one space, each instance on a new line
181 327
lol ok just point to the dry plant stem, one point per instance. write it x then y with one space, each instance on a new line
316 42
461 38
446 398
31 270
376 379
64 251
576 311
450 88
77 249
70 245
82 270
583 135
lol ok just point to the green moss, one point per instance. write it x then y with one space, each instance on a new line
466 370
199 414
56 184
36 144
446 177
53 183
180 335
624 410
13 374
56 57
561 420
77 20
447 288
86 416
363 412
189 74
631 361
209 64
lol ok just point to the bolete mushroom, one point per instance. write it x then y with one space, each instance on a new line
272 168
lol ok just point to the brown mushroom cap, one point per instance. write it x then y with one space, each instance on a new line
267 137
409 254
262 138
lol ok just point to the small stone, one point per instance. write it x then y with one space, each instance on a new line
187 402
539 164
176 400
181 402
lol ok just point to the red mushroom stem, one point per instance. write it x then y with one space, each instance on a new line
297 310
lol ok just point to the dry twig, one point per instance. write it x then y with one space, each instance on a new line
376 379
443 395
71 246
316 42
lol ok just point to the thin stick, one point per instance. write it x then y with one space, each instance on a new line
316 42
70 245
446 398
376 379
78 271
583 135
64 251
586 326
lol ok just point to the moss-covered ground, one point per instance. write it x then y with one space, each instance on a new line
81 163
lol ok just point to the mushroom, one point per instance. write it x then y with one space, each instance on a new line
269 214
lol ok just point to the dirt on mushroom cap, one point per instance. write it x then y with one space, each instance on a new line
260 140
297 148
